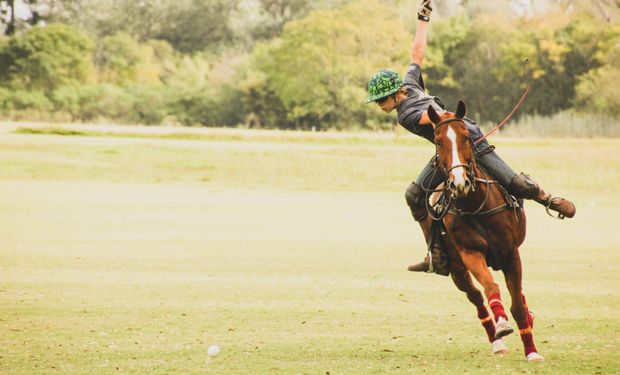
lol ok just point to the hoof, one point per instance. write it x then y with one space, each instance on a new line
535 357
499 348
502 328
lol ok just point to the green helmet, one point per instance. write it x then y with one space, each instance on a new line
382 84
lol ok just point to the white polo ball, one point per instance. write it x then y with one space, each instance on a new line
213 350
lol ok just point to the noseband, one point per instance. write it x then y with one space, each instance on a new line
444 205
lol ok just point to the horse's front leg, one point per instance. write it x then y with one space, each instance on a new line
513 274
475 263
462 280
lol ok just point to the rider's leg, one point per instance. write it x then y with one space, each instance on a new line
522 186
416 197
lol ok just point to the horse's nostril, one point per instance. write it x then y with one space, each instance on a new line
451 186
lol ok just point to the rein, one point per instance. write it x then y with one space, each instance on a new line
527 90
447 203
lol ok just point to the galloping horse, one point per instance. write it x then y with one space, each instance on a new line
483 227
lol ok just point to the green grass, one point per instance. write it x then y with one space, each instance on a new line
230 135
133 255
278 159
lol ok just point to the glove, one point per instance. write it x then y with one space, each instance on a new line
425 10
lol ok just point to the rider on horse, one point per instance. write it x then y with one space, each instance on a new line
408 97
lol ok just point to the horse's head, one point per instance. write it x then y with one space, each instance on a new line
454 149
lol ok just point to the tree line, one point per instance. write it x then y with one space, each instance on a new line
298 64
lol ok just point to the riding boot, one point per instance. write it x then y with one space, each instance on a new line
522 186
440 263
439 255
563 206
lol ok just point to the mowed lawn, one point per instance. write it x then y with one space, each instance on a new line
133 253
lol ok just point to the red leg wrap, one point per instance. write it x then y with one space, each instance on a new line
487 323
495 301
528 339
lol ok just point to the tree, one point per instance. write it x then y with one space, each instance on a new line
320 66
596 91
189 25
8 8
46 58
199 25
9 17
265 19
122 60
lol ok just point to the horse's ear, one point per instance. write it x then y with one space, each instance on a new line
461 110
433 115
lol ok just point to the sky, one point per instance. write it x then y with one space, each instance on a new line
21 10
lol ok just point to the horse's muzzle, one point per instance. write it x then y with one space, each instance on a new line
460 190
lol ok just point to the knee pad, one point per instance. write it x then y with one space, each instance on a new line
415 197
522 186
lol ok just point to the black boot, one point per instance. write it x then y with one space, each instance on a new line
416 200
440 263
522 186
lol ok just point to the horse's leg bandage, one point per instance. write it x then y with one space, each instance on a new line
527 338
495 301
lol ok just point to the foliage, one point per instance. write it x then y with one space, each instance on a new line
19 100
119 59
108 102
261 106
321 64
485 62
300 64
596 90
46 58
189 25
197 25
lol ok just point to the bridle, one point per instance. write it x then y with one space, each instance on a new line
469 167
447 199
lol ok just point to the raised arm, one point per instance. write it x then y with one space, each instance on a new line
418 47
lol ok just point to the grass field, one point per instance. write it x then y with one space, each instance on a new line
134 252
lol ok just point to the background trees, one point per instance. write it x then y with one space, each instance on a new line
298 63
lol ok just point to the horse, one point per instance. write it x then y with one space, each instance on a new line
482 226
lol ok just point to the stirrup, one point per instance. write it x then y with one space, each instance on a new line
431 269
559 216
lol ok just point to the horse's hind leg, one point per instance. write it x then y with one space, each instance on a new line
520 313
477 265
463 282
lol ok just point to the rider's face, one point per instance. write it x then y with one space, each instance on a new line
387 104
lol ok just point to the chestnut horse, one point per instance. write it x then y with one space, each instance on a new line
483 227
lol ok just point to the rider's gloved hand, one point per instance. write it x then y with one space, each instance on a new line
425 10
